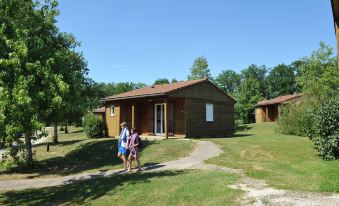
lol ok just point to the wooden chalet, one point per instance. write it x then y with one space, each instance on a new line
195 108
268 110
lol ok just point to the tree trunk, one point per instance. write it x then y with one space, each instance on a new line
28 149
55 135
66 129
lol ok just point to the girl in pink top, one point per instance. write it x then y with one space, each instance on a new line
133 143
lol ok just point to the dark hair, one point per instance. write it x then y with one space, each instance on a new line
134 130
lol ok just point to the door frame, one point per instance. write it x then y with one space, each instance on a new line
161 119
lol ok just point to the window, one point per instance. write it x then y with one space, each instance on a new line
112 110
209 112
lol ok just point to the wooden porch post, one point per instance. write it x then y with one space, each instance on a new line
266 118
133 115
166 117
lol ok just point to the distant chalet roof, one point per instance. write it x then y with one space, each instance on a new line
99 110
279 100
155 90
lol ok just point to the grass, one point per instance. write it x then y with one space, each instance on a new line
160 188
284 161
75 153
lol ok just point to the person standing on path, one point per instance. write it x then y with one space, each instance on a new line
133 144
122 144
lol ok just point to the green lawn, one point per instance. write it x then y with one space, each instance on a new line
76 153
160 188
284 161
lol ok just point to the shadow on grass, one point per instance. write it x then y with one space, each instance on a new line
91 155
222 137
63 143
240 135
78 192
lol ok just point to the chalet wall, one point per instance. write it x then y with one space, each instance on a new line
179 116
260 114
145 117
196 125
112 122
204 90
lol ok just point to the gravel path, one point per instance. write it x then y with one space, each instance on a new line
257 192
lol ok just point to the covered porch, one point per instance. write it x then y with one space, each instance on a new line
154 116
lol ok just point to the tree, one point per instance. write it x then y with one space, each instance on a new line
281 81
319 75
325 131
251 89
258 73
161 81
228 81
75 107
72 67
199 69
94 91
174 80
30 81
247 96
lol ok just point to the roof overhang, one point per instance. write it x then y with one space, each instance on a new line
131 97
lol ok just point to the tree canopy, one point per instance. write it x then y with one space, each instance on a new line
35 61
318 74
161 81
281 81
199 69
228 81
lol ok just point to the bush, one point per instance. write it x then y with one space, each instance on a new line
326 128
93 125
296 119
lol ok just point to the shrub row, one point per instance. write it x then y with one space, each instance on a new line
319 122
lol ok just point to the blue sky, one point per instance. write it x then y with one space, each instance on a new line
140 41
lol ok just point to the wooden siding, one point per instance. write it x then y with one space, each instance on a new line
204 90
126 113
260 114
179 116
113 122
196 125
146 117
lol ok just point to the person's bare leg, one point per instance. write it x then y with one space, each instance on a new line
129 164
125 161
139 165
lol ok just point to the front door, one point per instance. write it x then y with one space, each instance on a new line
159 119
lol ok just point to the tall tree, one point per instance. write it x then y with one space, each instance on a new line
251 89
161 81
228 81
319 75
75 107
247 96
199 69
31 82
281 81
72 67
258 73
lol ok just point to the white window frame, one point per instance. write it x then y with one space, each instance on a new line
209 112
112 110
